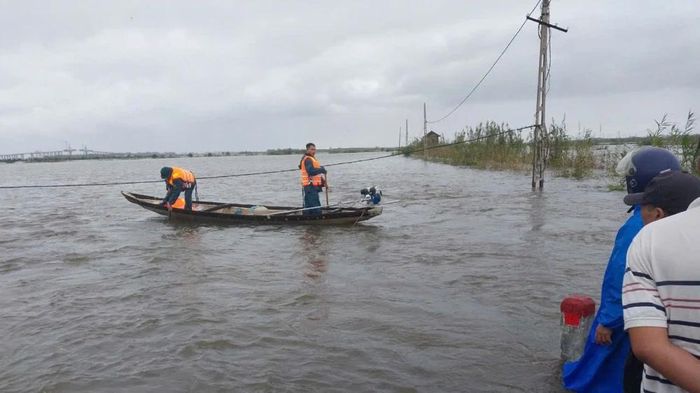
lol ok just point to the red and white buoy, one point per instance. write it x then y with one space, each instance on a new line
576 316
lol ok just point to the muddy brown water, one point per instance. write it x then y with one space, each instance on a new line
454 289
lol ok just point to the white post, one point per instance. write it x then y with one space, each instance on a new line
540 133
425 132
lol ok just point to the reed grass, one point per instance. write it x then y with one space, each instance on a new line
679 140
492 145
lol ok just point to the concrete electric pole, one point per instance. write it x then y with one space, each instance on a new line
539 144
425 132
406 132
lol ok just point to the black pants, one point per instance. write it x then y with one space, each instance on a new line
174 193
632 380
311 200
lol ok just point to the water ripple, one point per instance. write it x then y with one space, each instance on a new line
454 289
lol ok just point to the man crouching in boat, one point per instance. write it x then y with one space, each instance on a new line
312 181
176 181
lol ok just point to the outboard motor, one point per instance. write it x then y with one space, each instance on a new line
371 195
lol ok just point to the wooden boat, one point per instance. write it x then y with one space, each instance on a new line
235 213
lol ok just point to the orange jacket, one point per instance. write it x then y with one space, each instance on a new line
306 180
182 174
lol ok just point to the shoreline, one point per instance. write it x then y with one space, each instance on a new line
150 155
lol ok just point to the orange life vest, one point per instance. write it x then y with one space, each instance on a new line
179 203
182 174
306 180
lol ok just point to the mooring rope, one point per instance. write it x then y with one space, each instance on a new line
395 154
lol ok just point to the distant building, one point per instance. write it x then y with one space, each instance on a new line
432 138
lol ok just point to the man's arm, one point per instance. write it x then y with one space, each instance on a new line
311 170
174 192
652 346
610 316
168 193
610 313
646 320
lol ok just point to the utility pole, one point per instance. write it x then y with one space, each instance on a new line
425 132
406 132
539 143
538 162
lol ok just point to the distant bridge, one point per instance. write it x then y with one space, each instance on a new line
61 154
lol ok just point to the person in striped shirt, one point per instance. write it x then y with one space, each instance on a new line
661 288
601 367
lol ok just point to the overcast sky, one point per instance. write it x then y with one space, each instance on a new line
250 75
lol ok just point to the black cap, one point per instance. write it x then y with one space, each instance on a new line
672 191
165 172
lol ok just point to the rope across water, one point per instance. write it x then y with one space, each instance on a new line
398 153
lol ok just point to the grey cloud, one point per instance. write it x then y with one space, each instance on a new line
181 75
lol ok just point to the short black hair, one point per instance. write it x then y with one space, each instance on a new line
308 145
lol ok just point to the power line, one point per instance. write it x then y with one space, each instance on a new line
489 70
267 172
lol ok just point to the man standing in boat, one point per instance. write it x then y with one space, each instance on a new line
312 180
177 180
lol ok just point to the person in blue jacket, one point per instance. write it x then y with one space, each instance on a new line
601 367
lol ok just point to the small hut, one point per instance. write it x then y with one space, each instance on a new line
432 138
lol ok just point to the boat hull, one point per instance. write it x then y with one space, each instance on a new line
242 214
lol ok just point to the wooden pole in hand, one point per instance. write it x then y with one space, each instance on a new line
325 180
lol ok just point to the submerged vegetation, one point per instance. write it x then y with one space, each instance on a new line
495 146
492 145
488 146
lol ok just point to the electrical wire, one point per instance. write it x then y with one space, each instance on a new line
487 72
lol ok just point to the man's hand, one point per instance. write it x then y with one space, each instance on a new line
603 335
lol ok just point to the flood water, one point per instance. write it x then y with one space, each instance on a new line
454 289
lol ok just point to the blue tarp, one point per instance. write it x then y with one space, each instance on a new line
600 368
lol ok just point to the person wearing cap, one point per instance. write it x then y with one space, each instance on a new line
177 180
601 367
312 180
669 193
661 289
